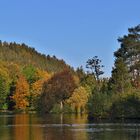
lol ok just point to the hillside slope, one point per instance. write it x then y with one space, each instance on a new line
22 54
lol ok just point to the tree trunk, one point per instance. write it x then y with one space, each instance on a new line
61 106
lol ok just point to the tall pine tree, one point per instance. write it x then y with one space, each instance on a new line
120 80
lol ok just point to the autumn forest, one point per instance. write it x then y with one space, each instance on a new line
34 82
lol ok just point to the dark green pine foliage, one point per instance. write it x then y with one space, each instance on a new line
22 55
4 89
95 67
130 51
120 80
3 92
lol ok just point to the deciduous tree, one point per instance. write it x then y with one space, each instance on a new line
56 90
79 99
21 94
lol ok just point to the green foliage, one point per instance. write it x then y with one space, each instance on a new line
4 86
126 106
125 76
98 105
120 80
130 52
30 73
89 81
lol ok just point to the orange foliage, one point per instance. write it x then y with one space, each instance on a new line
21 94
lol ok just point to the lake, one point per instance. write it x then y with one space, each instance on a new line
65 127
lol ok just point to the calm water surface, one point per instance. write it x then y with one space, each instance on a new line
64 127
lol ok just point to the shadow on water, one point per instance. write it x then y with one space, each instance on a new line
65 127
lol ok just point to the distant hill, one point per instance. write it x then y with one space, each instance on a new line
22 54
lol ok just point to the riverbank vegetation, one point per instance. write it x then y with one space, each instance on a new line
30 81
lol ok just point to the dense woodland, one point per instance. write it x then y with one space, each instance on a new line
30 81
24 55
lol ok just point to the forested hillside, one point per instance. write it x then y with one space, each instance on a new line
22 54
32 81
23 72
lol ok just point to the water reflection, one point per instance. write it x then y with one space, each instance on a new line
23 128
59 127
64 127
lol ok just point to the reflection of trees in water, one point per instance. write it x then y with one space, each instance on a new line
21 129
24 130
5 132
32 127
56 130
64 129
115 131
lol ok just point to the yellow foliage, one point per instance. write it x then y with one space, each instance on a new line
37 88
42 74
76 79
79 98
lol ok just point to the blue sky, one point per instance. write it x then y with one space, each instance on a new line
73 30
